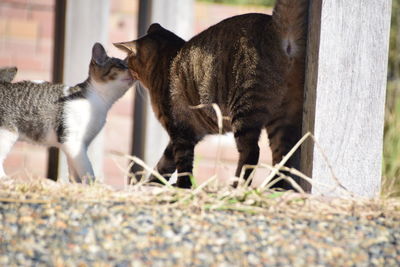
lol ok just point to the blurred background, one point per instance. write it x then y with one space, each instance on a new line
27 33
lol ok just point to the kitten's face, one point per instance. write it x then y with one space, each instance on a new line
108 70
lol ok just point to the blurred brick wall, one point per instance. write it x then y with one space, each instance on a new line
26 40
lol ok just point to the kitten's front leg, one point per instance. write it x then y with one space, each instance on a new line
72 173
7 140
77 153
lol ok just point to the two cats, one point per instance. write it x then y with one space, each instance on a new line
251 65
62 116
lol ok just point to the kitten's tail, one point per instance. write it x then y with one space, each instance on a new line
290 20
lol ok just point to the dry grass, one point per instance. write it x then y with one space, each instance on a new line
204 198
210 195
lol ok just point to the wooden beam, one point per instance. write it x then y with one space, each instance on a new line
141 96
57 75
345 94
85 23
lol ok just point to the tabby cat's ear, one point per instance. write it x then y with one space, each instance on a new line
128 47
154 27
99 54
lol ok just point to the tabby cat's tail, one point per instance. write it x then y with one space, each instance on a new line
290 19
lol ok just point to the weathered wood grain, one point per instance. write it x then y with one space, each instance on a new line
345 93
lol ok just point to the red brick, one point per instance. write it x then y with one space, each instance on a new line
46 30
6 61
124 6
20 48
113 174
12 13
28 157
45 20
45 47
118 133
10 2
3 28
49 3
24 29
28 63
23 74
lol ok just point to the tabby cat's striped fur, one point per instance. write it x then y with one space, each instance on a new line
251 65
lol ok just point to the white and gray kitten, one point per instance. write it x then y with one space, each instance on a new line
61 116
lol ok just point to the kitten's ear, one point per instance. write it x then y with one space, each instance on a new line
99 54
154 27
128 47
7 74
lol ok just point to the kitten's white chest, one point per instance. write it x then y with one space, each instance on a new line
84 118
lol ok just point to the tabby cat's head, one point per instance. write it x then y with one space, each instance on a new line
157 47
7 74
109 71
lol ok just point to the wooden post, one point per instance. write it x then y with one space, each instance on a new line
345 94
85 23
176 16
57 75
140 100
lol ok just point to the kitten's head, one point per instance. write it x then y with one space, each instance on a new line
7 74
110 72
158 46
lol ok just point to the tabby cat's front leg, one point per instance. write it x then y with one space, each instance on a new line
166 165
184 139
184 154
247 144
179 157
282 139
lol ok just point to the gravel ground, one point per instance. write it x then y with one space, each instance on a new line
76 230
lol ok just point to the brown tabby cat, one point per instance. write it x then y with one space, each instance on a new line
251 65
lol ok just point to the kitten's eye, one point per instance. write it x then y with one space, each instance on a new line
122 65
